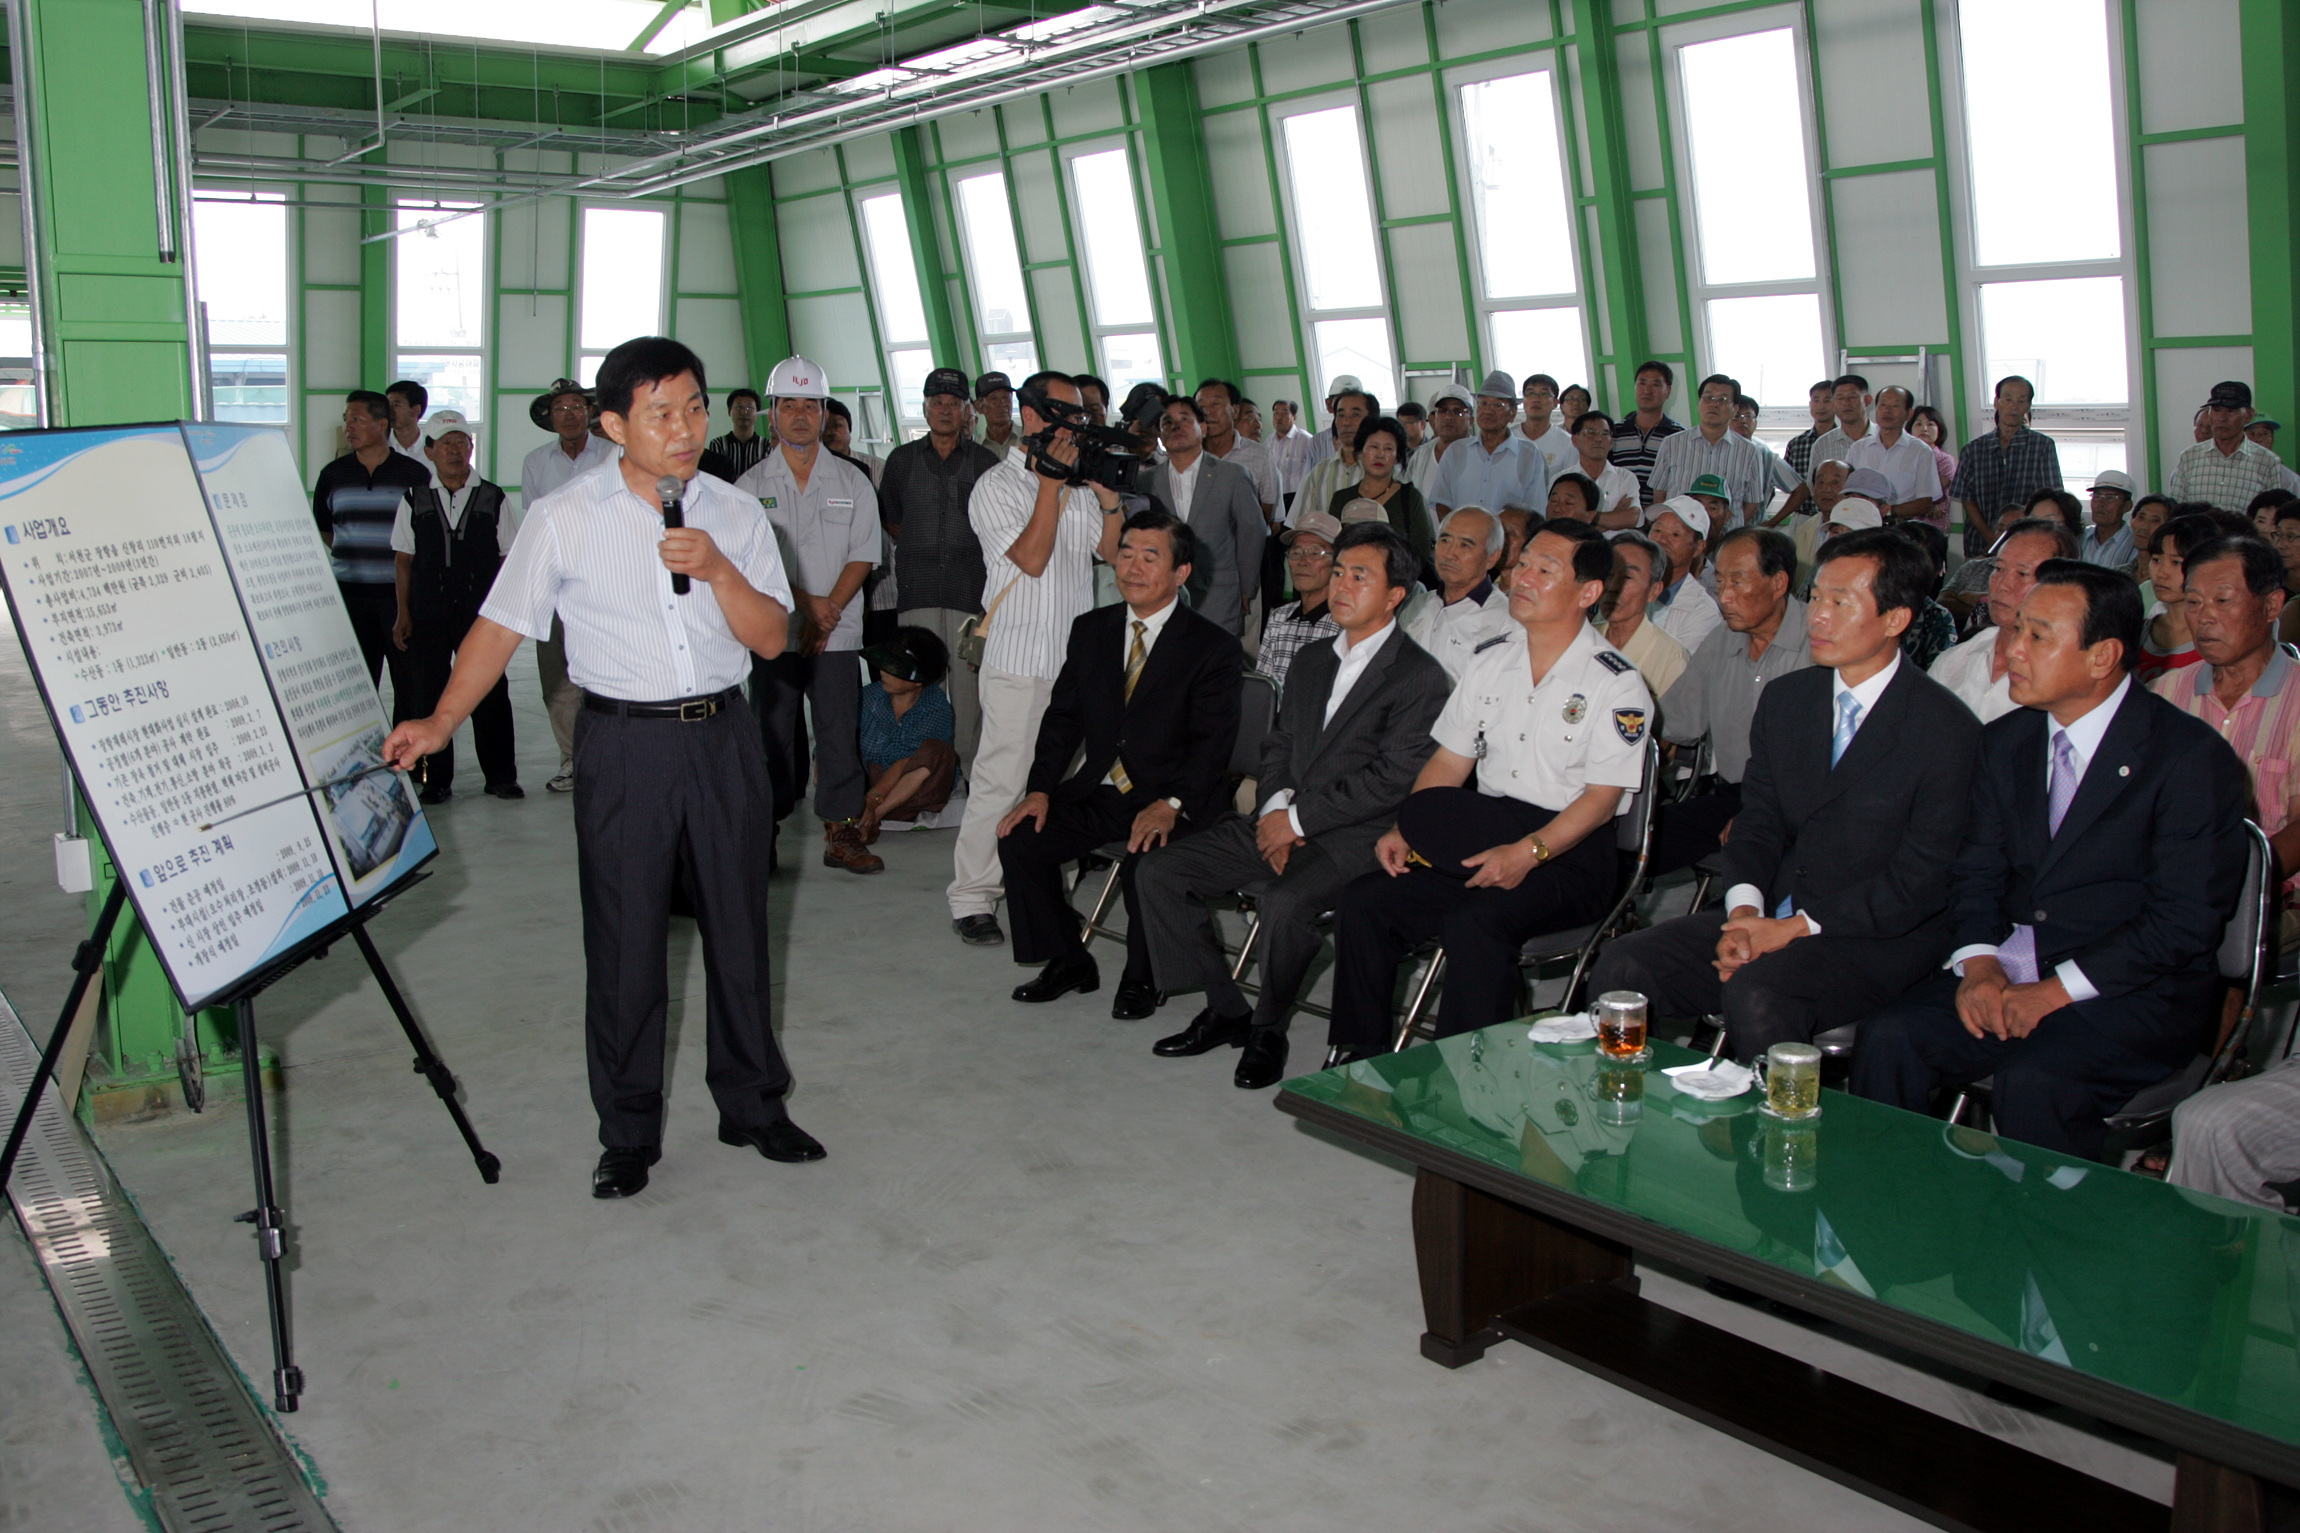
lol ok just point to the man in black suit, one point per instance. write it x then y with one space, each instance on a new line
1351 733
2105 856
1852 810
1149 692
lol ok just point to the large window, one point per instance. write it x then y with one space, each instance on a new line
1117 278
1755 270
901 311
1527 285
1338 252
1001 298
622 293
2048 256
439 326
241 246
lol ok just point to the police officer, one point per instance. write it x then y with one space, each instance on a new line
669 776
1553 721
825 515
447 541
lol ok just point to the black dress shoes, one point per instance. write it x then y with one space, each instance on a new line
622 1173
780 1140
1061 977
1338 1056
1135 1001
1265 1061
1206 1031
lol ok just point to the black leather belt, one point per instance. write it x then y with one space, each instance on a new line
688 710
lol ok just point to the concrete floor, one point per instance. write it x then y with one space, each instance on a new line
1044 1279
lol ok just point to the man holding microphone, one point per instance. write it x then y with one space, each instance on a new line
668 760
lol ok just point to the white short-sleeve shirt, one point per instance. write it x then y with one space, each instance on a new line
820 530
1582 725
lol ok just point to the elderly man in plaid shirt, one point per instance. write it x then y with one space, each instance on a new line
2003 467
2227 468
1303 621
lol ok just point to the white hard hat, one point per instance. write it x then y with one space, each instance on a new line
797 378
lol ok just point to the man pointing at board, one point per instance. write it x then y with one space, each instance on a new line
668 767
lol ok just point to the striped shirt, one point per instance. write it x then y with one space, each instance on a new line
1834 445
1254 458
1031 629
589 552
548 467
1290 455
1316 491
2263 729
1685 457
354 506
2225 480
1516 474
1634 450
743 455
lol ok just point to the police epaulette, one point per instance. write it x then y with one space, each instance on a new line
1498 638
1615 663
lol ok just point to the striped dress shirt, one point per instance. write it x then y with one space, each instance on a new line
1634 450
2263 729
1031 630
1685 457
588 551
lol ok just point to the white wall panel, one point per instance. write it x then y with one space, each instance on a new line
808 172
836 332
1225 78
1087 108
1659 271
1889 259
1061 344
1258 308
1431 325
706 249
1304 60
1641 126
1394 39
2199 252
818 245
1601 316
533 237
1483 26
2188 53
1404 124
1239 174
330 238
1038 197
1875 104
968 134
530 339
509 438
331 341
2184 377
869 159
714 328
322 432
1025 123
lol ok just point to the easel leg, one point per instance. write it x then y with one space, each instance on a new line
427 1064
87 958
287 1378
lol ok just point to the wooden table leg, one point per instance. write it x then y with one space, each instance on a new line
1480 1256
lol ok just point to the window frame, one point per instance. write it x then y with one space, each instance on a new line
905 423
1306 318
962 227
483 353
587 359
288 349
1099 334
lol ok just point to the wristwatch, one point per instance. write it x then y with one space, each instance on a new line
1540 850
1172 803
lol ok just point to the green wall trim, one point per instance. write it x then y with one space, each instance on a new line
2185 135
1600 63
1879 168
2143 281
758 251
374 289
2194 342
1200 338
1653 19
926 248
1952 284
2271 63
1304 357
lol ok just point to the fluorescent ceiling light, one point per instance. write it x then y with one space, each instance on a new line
606 26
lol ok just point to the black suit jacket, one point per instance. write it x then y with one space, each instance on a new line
1177 732
1863 847
1348 777
2139 882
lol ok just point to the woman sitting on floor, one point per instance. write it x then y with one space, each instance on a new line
907 729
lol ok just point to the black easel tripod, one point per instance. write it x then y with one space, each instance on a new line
266 1216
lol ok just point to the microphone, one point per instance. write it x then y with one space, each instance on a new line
669 489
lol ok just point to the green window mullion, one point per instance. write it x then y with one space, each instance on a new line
1014 222
1069 233
1381 209
1827 171
870 299
1654 57
2144 294
1952 289
1285 243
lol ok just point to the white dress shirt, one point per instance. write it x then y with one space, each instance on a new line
1964 669
1184 483
590 553
1354 663
1866 694
2084 737
1152 626
548 467
1686 612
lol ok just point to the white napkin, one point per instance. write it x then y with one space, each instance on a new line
1571 1029
1712 1083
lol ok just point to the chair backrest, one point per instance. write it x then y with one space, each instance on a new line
2245 938
1257 711
1633 829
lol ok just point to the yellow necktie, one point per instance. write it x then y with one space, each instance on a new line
1135 659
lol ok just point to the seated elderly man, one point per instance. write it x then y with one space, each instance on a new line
1349 737
1305 620
2104 854
1552 720
1466 609
1637 559
1681 604
1978 671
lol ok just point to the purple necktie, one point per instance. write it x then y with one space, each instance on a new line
2018 952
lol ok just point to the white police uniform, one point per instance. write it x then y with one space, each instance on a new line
1452 633
1582 725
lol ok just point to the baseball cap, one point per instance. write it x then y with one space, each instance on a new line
1498 385
2230 395
1870 484
1317 524
2113 479
1453 391
540 410
1347 383
1710 485
1364 510
990 383
1855 514
440 422
2270 421
944 380
907 657
1687 510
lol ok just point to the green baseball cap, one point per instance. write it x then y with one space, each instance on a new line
1710 485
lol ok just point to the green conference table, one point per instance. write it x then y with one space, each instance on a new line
1541 1170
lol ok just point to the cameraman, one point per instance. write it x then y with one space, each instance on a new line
1040 537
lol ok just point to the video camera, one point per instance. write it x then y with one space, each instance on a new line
1107 455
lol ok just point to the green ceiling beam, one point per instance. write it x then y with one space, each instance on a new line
2271 61
758 271
1199 337
926 248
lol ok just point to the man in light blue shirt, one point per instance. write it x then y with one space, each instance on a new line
1498 468
2109 539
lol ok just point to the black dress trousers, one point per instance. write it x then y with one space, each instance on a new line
429 660
373 610
1046 925
651 796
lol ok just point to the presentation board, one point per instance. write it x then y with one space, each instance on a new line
183 624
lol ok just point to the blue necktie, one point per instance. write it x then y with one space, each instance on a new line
1848 723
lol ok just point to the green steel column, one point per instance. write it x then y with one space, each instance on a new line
1616 212
2271 160
1201 340
375 369
926 249
115 307
758 270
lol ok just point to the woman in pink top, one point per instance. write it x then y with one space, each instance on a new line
1926 425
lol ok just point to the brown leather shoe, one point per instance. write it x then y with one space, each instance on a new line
843 848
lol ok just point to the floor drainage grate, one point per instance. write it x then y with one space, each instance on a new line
209 1453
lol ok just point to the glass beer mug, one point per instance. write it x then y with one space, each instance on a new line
1620 1095
1793 1081
1621 1027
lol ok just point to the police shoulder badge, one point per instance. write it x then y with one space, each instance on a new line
1576 708
1615 662
1629 723
1498 638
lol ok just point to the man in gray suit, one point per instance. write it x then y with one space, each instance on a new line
1224 510
1350 737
